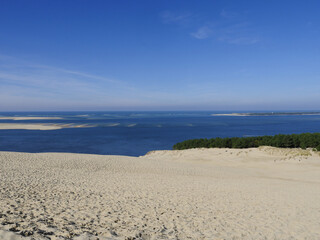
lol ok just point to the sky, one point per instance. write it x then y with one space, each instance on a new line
223 55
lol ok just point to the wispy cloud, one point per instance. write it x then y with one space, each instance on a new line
228 14
240 40
27 86
229 27
176 18
239 33
202 33
16 71
23 83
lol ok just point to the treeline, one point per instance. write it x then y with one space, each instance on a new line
304 140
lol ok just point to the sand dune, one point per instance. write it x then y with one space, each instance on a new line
264 193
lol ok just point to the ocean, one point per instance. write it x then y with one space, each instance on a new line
136 133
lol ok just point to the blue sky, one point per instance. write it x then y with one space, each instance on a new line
159 55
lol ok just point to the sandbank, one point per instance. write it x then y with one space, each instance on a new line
27 126
41 126
29 118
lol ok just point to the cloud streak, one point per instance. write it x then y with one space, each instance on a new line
169 17
28 86
229 27
228 14
202 33
15 71
23 83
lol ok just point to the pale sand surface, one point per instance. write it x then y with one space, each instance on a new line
28 118
263 193
27 126
40 126
230 114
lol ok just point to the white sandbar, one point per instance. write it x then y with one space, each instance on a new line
27 126
29 118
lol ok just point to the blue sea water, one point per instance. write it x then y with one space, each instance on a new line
136 133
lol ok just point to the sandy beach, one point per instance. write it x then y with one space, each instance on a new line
264 193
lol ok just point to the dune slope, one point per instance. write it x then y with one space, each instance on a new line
264 193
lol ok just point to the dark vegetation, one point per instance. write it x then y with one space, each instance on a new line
304 140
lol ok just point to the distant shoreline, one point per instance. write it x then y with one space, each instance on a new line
267 114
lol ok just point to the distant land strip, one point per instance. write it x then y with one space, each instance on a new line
266 114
